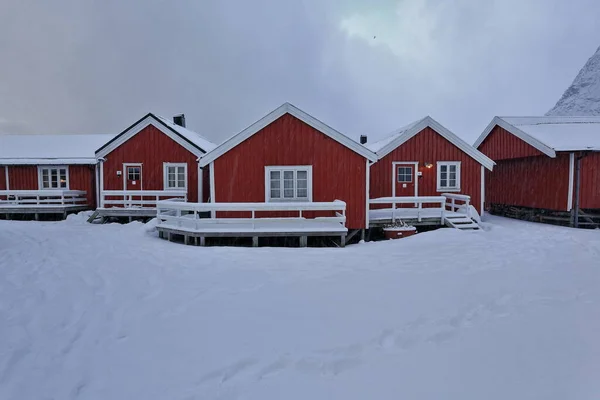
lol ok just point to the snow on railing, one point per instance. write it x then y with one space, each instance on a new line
47 197
417 211
138 198
464 206
188 215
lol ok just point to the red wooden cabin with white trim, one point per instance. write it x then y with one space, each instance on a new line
291 157
426 159
541 162
153 159
48 174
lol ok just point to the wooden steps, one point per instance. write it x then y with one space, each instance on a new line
461 222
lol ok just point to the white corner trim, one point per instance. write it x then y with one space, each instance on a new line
368 193
200 184
498 121
458 175
40 168
281 168
144 123
445 133
6 177
211 172
286 108
482 205
166 165
101 185
571 181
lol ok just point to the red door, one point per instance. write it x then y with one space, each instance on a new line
405 179
133 177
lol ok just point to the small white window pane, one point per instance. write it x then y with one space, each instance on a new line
275 175
302 175
288 184
302 193
302 184
288 193
452 183
288 174
275 194
275 184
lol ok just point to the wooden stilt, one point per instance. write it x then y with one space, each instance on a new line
37 216
362 234
254 241
186 239
343 241
202 241
170 236
303 241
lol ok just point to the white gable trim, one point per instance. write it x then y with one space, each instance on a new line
137 128
445 133
549 151
286 108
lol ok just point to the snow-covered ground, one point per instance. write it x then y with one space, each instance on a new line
112 312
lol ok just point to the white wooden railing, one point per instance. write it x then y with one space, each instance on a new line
458 203
188 215
436 210
138 198
48 197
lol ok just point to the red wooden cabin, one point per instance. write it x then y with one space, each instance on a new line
426 159
48 174
153 159
289 156
537 162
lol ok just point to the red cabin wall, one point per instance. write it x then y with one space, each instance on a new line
25 177
428 147
536 182
590 181
338 172
2 177
151 148
501 145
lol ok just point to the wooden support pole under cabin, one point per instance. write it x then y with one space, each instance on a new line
202 241
170 236
254 241
160 234
343 241
37 216
186 239
303 241
362 235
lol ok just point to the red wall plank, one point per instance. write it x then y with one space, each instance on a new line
152 148
23 177
536 182
427 147
501 145
590 181
82 177
338 172
3 177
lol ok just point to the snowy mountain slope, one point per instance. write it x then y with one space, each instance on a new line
582 98
110 312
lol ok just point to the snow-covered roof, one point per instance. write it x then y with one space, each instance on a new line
287 108
551 134
192 136
190 140
50 149
385 146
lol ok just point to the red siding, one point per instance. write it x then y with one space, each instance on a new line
590 181
25 177
2 177
428 147
501 145
152 148
338 172
537 182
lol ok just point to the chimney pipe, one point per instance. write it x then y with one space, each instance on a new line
179 120
363 139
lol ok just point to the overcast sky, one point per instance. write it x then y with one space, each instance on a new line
96 66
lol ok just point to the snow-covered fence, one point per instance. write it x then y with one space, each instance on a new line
47 197
435 207
205 216
138 198
458 203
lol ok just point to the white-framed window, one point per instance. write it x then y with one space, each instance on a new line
405 174
288 183
175 176
53 177
448 176
134 172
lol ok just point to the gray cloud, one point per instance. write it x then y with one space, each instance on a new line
97 66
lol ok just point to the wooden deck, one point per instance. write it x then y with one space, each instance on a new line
36 202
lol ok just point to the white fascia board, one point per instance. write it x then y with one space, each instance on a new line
544 148
149 120
273 116
445 133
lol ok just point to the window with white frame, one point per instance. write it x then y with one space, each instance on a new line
55 177
405 174
448 176
288 183
175 176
